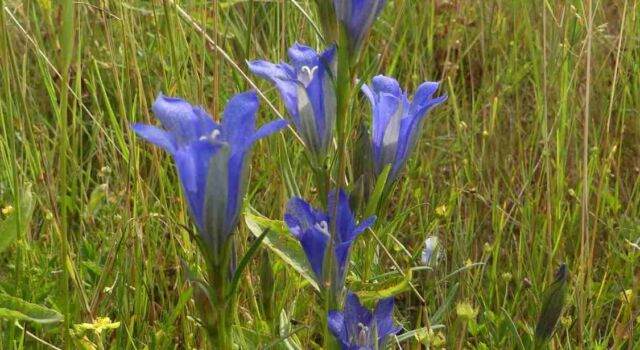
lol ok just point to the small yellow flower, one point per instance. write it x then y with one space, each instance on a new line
627 297
7 210
466 311
442 210
100 324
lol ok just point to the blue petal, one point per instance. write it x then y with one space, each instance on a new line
314 243
345 223
237 178
328 59
423 99
385 96
342 256
336 325
358 16
384 318
299 216
302 55
355 313
156 136
193 166
283 76
238 122
365 224
185 122
269 129
391 117
409 132
381 83
366 89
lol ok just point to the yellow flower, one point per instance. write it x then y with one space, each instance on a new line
7 210
466 311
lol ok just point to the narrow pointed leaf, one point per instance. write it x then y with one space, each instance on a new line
13 308
552 305
16 222
376 196
281 242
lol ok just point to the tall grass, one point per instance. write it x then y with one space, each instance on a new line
543 108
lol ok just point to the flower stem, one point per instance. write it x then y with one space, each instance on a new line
219 329
332 300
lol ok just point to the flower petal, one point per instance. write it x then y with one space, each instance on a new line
157 136
299 216
345 223
384 318
355 313
381 83
314 243
365 224
283 76
302 55
336 324
423 99
238 122
185 122
269 128
192 162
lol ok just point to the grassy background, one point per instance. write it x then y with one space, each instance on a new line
498 175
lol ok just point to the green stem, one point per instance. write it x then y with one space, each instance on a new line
343 94
322 179
220 328
66 39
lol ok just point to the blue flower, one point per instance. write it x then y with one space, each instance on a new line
313 229
308 92
358 329
200 148
397 122
358 17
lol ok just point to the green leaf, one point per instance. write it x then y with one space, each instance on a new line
243 263
17 309
17 221
378 190
368 292
281 242
552 305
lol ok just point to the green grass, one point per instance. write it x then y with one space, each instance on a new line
498 175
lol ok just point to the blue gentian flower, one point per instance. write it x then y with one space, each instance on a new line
397 122
358 17
308 92
358 329
201 147
312 228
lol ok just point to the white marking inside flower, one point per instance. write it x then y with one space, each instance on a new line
363 334
212 137
323 227
307 74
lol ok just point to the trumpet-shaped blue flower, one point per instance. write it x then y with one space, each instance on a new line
358 329
397 121
358 17
313 229
203 149
307 89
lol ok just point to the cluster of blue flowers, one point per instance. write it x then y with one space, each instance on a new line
213 160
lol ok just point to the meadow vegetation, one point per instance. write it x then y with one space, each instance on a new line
533 161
